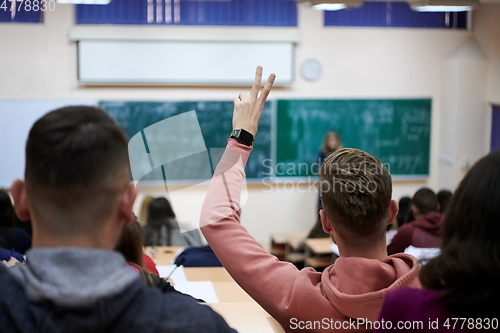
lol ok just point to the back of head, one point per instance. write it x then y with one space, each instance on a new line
356 192
6 210
443 198
468 269
404 207
425 200
160 208
76 167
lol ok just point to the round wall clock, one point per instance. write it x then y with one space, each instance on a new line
310 69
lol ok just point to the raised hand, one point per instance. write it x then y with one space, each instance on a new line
248 107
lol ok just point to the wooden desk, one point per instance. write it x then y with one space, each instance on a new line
247 317
293 239
231 292
318 252
236 306
239 310
284 245
163 255
319 245
214 274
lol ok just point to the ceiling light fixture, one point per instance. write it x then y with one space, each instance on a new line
331 5
84 2
443 5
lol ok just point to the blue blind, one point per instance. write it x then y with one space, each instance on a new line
393 14
191 12
28 11
495 128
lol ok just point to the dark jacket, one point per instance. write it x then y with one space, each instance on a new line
58 290
15 238
425 232
198 256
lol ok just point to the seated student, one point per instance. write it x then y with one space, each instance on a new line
12 238
131 246
425 231
462 282
78 195
162 228
357 208
443 197
404 206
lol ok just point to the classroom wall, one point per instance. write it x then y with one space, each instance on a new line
40 63
486 28
464 111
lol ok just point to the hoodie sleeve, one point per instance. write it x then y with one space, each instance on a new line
266 279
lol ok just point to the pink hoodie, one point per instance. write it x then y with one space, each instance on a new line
305 300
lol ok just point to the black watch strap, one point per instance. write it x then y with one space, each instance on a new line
243 136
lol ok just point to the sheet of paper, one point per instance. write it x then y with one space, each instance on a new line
422 253
334 248
177 276
389 235
200 289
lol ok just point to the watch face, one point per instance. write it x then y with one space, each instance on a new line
311 69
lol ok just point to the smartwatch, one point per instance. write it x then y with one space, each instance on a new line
242 136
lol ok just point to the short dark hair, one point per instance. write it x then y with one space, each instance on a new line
6 210
468 269
443 198
74 146
356 191
425 200
75 156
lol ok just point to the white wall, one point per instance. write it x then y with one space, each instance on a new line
487 31
464 111
40 63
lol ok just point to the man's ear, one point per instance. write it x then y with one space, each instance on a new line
414 210
21 206
127 200
393 211
325 222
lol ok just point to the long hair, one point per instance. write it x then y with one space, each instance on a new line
468 269
325 149
130 243
160 215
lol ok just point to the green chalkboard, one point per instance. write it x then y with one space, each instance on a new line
215 122
396 131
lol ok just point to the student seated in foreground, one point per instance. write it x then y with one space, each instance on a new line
78 196
462 282
425 231
357 207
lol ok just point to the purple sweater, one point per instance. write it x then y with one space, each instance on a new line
420 308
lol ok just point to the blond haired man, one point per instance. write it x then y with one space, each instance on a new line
356 193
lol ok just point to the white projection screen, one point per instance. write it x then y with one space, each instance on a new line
157 62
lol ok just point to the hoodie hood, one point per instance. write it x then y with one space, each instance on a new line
431 223
73 277
360 293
